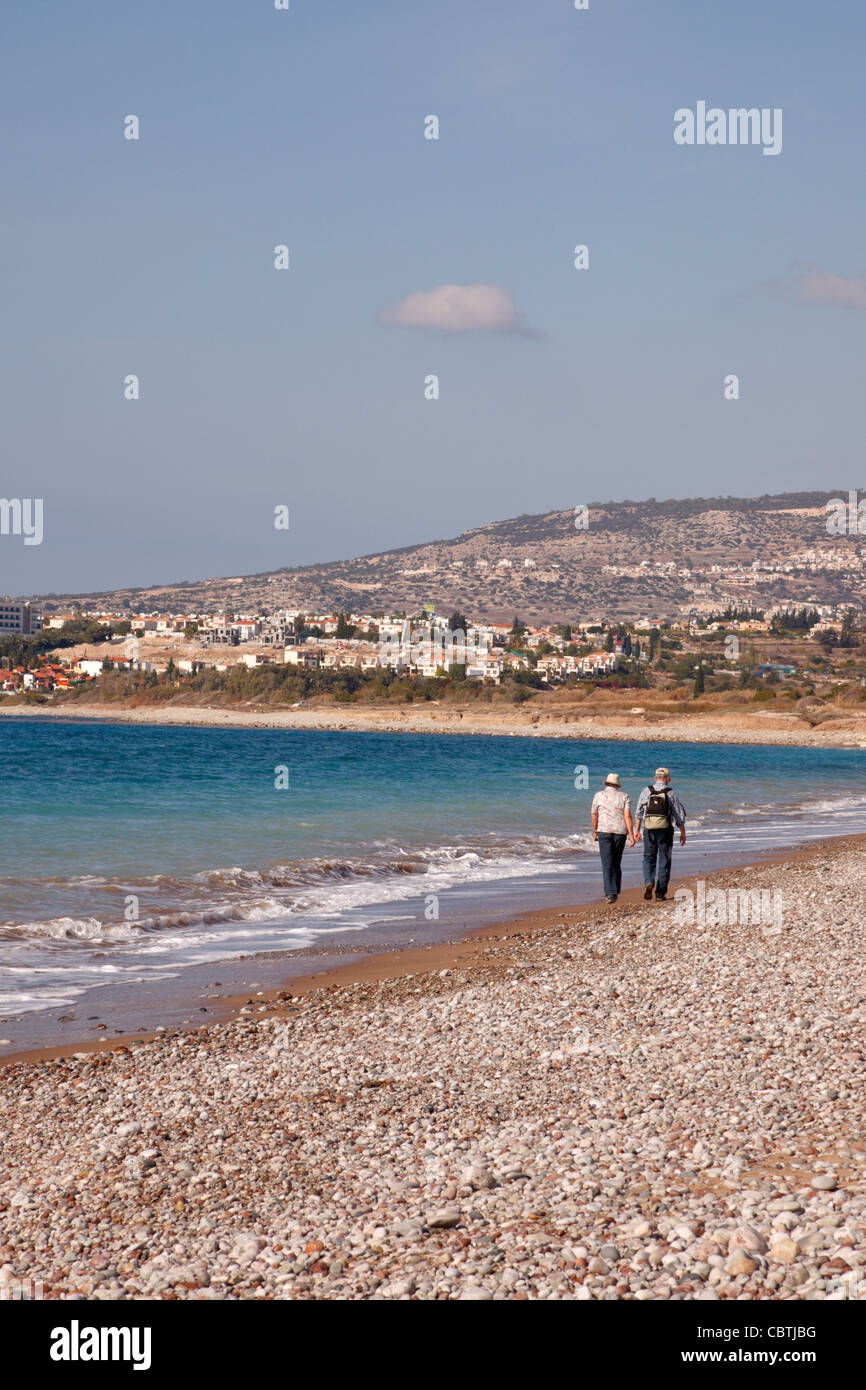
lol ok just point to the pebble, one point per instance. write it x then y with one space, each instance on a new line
477 1177
745 1238
449 1216
784 1251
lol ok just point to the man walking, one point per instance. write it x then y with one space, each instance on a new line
659 809
611 823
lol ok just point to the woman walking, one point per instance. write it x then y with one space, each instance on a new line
611 825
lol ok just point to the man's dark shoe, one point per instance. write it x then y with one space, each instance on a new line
648 891
611 898
661 897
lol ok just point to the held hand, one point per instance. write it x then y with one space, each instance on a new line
682 835
595 834
631 842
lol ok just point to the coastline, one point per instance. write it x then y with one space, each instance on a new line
762 727
370 967
272 892
602 1105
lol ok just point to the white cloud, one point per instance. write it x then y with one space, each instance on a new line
816 286
458 309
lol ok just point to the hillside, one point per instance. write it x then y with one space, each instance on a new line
635 558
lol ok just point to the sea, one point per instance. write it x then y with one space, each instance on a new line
128 853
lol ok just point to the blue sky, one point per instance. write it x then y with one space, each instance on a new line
260 387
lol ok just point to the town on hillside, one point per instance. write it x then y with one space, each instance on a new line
44 653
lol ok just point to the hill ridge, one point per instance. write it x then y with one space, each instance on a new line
636 558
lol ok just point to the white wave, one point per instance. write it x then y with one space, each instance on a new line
88 929
95 932
832 804
331 900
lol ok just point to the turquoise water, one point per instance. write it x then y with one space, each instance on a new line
129 851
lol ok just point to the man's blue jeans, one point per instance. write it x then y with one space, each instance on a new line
657 846
611 848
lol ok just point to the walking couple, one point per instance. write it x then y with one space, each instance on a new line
659 810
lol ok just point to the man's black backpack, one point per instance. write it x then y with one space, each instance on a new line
657 815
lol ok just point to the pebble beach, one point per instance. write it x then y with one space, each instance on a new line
609 1105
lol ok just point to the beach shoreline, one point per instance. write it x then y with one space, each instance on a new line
182 996
177 877
760 727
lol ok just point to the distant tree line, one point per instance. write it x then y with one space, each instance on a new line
794 620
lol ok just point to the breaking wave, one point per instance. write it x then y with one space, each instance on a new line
320 887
